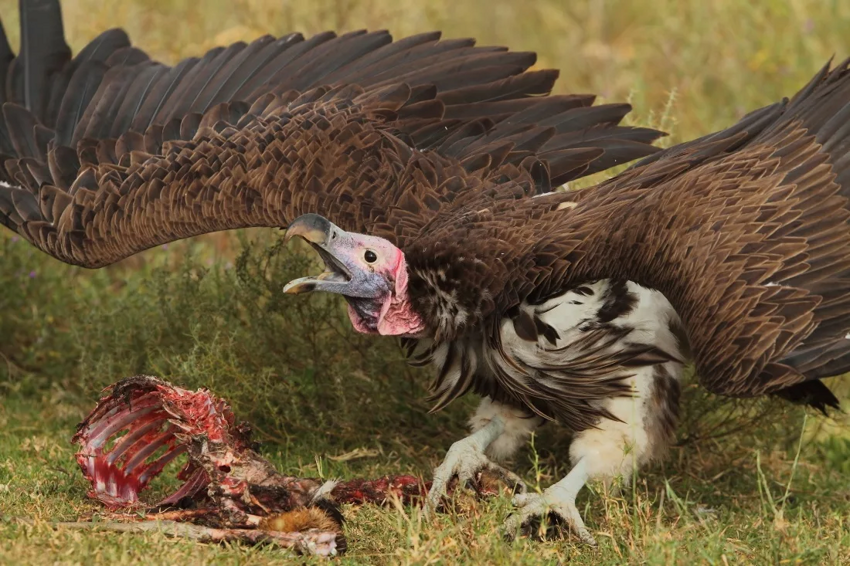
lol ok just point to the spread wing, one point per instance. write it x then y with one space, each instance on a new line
747 232
110 153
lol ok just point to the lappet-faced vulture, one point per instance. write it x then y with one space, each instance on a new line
424 173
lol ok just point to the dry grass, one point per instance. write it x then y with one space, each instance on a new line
210 312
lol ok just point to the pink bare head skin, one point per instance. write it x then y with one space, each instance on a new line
370 272
396 317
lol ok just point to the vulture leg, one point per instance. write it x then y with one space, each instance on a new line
498 430
519 424
604 360
642 428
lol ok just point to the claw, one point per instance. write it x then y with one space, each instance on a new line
545 517
464 460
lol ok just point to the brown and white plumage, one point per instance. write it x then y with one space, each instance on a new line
746 233
423 171
748 293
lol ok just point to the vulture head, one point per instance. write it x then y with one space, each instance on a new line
370 272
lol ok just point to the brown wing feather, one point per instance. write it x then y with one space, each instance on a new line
358 128
746 232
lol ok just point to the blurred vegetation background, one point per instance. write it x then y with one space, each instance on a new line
210 312
720 58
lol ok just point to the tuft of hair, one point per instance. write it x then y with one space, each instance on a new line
330 508
302 519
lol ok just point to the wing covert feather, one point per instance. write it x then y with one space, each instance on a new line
745 231
139 153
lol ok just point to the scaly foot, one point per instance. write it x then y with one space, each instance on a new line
465 459
535 509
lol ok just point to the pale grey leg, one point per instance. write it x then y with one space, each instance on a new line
558 499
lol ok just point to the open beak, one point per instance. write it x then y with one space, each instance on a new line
319 233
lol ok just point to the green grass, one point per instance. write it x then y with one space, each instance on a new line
211 313
320 394
716 502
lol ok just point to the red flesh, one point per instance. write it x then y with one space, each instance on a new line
153 414
226 481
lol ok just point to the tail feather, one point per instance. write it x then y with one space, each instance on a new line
814 394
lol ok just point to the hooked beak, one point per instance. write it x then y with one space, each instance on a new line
312 227
318 232
334 246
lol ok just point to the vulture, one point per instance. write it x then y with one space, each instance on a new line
427 174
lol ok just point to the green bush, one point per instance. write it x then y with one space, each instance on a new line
290 365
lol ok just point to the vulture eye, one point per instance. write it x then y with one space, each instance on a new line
370 256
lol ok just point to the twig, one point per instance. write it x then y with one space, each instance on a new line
796 460
320 543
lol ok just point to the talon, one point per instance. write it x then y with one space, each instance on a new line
537 510
513 526
466 460
519 499
465 477
586 537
